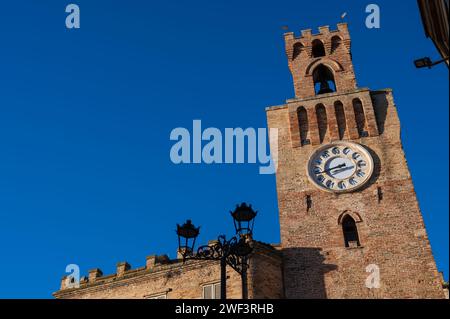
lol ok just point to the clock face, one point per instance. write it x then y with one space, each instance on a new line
340 167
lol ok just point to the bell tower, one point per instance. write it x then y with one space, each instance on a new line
350 222
320 63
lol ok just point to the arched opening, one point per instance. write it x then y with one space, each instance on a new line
323 80
303 125
335 43
360 118
298 48
322 121
318 49
350 231
340 119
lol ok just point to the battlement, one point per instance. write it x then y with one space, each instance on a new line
306 34
123 270
154 264
320 63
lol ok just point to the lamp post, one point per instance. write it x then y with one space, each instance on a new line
244 219
233 252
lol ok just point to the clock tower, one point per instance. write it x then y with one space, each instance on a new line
350 222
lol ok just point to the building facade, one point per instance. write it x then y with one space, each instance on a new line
434 16
350 222
162 278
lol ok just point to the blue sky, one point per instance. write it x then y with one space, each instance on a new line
85 118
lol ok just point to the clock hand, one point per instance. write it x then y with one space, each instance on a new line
344 169
330 169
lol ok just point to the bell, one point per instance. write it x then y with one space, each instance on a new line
324 88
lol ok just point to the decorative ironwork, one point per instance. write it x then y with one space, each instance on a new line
234 252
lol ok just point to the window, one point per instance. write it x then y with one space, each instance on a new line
360 118
298 48
380 194
323 80
303 126
322 121
308 202
318 49
340 119
350 231
335 43
211 291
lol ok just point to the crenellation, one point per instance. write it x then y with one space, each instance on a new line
63 283
324 30
122 267
94 274
289 36
150 262
306 34
178 279
343 28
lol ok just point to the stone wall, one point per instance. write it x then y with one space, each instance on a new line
178 280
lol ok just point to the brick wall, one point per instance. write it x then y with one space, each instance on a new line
392 234
266 274
391 229
302 62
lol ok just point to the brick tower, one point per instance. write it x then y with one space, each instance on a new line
350 222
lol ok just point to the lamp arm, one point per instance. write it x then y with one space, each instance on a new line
220 249
439 61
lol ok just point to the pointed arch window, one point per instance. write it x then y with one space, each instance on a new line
322 121
303 126
360 118
318 49
340 119
350 231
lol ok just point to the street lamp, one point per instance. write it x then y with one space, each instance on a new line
244 219
427 63
234 252
187 234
